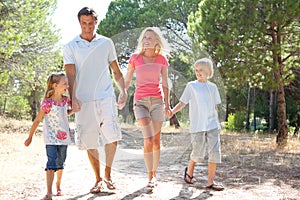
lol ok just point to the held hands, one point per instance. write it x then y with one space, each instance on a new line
76 105
169 113
122 100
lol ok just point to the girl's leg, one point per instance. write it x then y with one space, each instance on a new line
58 181
49 181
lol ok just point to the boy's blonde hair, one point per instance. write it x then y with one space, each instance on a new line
207 64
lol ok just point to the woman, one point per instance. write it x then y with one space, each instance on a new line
150 66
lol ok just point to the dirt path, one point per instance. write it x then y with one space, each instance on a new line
247 172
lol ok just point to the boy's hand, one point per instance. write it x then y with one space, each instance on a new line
27 142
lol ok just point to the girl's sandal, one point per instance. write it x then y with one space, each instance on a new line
187 178
59 192
47 197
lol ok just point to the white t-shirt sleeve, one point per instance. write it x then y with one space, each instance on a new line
217 96
68 55
186 95
112 53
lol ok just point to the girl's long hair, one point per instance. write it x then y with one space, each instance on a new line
53 78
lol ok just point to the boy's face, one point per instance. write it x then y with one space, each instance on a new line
202 72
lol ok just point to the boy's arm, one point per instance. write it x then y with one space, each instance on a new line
34 126
177 108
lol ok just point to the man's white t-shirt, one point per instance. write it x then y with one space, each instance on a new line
202 98
91 59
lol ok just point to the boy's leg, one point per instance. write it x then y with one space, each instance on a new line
211 172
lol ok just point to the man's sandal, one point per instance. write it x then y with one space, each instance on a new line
97 188
187 178
215 187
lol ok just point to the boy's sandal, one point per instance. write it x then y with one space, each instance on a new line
216 187
97 188
47 197
110 185
59 192
187 178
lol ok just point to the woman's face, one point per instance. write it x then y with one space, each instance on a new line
149 40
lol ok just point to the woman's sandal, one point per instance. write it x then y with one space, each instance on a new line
215 187
191 179
110 185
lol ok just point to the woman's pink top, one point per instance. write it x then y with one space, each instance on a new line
148 76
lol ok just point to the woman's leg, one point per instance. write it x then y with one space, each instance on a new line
145 124
156 127
59 174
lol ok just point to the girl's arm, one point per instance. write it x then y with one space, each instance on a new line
34 126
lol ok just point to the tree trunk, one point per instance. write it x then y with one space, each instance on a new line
248 108
34 105
271 112
254 106
282 135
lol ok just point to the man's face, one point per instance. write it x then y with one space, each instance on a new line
87 24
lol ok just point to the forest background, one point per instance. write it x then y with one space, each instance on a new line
253 43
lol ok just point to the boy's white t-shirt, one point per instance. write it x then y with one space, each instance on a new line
92 60
202 98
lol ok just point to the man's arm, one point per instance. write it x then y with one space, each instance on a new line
119 79
71 74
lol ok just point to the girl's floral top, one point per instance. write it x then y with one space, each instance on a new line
56 127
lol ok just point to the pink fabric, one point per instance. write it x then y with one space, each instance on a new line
148 76
47 103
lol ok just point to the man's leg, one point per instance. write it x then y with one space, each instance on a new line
93 155
110 151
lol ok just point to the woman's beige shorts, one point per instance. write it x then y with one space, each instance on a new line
97 123
149 107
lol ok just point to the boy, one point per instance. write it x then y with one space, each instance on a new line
203 97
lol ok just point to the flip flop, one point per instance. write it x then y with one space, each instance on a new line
47 197
59 192
110 185
216 187
192 179
97 188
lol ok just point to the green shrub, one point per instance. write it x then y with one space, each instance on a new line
236 121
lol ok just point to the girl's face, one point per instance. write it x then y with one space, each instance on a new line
201 72
62 86
149 40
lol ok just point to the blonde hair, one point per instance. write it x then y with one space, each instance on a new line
160 48
52 79
207 64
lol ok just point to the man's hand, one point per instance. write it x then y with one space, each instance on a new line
122 100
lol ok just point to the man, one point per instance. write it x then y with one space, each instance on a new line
87 59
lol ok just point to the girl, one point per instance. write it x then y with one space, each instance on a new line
150 65
55 129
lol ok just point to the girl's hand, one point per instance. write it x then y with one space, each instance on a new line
122 100
169 113
27 142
